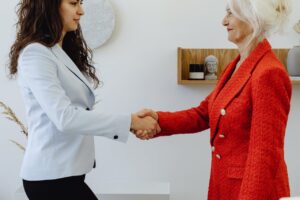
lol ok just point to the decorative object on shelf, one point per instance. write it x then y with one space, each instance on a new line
293 61
295 78
211 67
225 56
297 27
290 198
196 72
98 22
9 114
293 58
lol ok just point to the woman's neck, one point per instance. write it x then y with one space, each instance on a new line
61 39
245 48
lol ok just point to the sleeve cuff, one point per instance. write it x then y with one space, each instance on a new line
122 128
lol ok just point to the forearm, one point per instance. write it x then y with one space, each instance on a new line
186 121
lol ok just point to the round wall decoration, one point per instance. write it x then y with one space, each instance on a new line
98 22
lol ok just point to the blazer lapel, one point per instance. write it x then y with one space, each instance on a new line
224 77
66 60
230 87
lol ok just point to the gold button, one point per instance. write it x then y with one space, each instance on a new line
218 156
223 112
213 148
221 136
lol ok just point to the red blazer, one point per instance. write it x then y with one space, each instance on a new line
247 116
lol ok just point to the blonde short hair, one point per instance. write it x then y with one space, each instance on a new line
265 16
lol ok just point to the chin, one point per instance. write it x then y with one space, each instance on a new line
231 40
72 29
75 28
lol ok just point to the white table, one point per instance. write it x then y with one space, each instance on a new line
123 191
133 191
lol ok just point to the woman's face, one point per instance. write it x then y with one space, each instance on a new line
237 29
70 12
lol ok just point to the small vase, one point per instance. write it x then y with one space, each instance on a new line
293 61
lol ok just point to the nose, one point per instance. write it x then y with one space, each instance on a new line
225 21
80 10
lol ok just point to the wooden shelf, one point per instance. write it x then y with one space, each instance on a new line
197 56
194 82
296 82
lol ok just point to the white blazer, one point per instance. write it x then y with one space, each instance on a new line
60 116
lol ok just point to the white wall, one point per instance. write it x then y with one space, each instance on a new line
139 69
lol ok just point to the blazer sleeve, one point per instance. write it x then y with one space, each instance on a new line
186 121
271 93
38 71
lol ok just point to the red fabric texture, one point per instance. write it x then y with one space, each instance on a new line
247 114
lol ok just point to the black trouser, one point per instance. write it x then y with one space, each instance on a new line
70 188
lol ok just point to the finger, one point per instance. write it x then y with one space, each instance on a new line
147 134
139 132
151 133
158 129
142 113
144 137
142 134
153 114
139 135
150 136
145 112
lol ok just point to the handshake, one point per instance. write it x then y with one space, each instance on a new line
144 124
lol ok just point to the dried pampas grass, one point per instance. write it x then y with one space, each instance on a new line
9 114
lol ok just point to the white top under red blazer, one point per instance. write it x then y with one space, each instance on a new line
61 120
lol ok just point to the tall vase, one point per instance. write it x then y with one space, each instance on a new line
293 61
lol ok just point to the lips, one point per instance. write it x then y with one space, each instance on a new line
229 29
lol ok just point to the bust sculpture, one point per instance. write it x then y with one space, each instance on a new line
211 67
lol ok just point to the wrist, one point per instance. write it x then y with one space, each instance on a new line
133 121
156 116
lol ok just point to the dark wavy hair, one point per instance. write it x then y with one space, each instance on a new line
40 21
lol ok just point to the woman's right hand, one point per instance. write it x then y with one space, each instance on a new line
144 124
148 112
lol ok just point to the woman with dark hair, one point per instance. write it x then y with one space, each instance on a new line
54 70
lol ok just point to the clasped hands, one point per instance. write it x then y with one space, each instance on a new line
144 124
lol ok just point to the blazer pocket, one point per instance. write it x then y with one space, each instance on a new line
237 102
235 172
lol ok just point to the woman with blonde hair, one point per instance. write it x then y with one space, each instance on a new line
247 111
